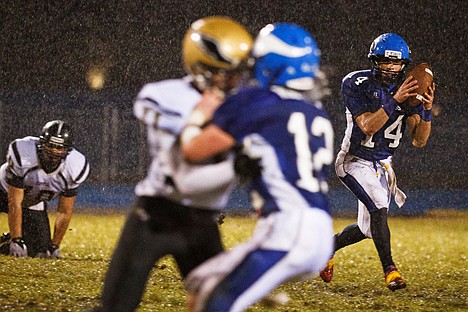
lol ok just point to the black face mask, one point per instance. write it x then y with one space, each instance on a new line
51 157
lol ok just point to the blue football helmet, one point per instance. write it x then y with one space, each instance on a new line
285 55
387 48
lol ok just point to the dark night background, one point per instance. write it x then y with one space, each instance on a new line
46 48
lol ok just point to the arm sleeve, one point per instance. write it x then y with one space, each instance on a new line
353 98
145 107
14 172
13 179
70 192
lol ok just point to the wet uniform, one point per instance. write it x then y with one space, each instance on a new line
22 170
294 140
176 204
361 163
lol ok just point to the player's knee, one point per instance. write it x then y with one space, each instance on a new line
379 216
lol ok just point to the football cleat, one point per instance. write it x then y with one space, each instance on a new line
327 273
393 278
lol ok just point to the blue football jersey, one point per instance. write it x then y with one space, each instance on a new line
293 139
361 93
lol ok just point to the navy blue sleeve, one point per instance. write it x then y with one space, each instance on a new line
235 115
353 95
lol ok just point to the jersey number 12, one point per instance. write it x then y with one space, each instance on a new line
306 162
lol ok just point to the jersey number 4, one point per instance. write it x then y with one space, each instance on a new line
392 133
306 162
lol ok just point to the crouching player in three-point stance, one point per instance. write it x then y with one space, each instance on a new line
292 139
37 170
377 115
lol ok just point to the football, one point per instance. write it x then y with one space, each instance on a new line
423 74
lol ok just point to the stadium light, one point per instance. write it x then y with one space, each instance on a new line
96 77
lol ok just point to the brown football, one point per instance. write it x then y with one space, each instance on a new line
423 74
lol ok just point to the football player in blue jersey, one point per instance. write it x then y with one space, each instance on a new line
177 203
37 170
291 138
377 117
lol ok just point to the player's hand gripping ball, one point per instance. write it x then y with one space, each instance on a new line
423 74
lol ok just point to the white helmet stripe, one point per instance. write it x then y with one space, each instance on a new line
59 130
271 44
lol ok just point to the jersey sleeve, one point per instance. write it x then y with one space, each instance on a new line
166 104
15 171
77 171
353 94
238 113
146 106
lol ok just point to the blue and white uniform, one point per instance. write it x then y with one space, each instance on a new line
294 140
364 162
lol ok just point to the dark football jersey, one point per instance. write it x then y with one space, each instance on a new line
294 140
361 93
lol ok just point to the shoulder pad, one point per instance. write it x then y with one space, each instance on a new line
166 104
23 153
76 167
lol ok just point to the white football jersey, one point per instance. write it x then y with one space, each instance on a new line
22 170
165 107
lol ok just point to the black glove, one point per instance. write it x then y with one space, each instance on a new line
18 248
247 168
53 252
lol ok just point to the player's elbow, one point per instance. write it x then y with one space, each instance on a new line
190 153
419 143
368 128
369 131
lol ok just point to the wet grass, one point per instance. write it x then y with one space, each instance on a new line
431 253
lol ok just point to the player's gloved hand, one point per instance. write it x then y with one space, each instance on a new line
53 252
247 168
18 248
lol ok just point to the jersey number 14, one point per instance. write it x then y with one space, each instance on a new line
392 133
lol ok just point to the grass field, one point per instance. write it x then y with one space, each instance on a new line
431 252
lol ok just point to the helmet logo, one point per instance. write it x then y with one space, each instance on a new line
211 47
393 54
272 44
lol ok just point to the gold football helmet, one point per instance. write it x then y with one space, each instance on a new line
215 51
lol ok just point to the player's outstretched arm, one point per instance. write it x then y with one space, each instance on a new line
210 142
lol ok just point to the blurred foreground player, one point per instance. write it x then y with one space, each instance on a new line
177 203
291 138
377 116
37 170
